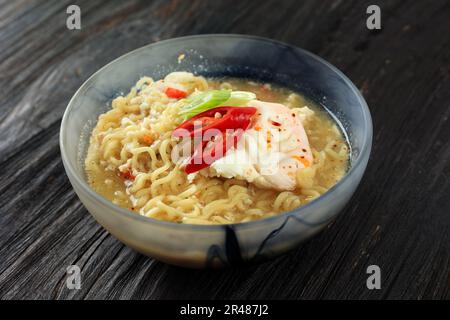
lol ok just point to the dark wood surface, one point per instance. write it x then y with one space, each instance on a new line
399 218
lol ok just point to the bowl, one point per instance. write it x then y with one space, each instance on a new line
218 55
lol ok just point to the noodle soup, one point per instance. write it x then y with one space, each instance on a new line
131 162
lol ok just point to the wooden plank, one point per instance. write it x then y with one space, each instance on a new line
398 219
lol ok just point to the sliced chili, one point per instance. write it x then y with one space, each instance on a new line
230 118
231 122
127 175
175 93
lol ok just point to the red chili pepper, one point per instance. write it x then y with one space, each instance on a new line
175 93
127 175
276 123
231 124
230 118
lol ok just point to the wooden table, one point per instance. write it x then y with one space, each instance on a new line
399 218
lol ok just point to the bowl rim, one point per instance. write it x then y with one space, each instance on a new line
365 150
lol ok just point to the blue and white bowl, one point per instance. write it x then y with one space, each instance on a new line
218 55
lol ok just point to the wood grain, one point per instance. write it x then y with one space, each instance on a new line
398 219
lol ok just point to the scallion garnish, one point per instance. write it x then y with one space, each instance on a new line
205 101
239 98
215 98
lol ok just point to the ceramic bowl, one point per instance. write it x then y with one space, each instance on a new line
218 55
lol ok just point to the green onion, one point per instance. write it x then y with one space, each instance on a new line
215 98
239 98
205 101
